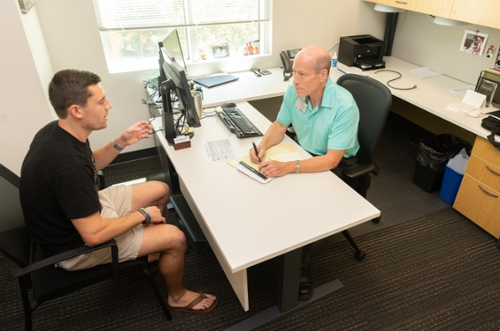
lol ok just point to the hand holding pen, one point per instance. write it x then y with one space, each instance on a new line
256 152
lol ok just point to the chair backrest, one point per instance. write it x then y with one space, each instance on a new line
15 242
374 102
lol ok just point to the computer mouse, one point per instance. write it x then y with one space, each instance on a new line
229 104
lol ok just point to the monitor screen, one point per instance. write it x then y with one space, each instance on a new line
173 46
173 73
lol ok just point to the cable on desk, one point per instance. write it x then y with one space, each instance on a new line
399 76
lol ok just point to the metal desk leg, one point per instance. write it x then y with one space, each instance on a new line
288 282
288 293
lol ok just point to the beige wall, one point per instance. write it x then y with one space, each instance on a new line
420 41
25 72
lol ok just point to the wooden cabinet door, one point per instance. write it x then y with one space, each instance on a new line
480 203
403 4
440 8
432 7
482 12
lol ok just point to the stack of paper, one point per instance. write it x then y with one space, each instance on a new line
282 153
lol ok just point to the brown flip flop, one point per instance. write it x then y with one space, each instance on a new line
189 306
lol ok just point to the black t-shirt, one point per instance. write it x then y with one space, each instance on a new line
58 183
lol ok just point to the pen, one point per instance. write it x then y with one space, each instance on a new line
258 173
342 71
256 151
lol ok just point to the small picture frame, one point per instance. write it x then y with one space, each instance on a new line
220 50
473 42
488 88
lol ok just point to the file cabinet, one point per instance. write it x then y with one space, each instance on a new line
478 197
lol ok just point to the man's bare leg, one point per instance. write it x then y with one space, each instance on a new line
148 194
170 243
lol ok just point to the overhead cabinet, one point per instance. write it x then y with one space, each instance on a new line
480 12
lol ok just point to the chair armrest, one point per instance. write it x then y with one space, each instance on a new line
359 169
18 271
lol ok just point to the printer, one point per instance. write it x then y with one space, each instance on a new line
363 51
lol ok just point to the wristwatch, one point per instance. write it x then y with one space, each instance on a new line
297 166
116 146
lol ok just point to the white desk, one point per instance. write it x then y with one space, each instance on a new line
432 94
248 87
246 222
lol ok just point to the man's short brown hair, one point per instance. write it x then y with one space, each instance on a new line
69 87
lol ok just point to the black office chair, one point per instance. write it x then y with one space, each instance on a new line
374 101
35 271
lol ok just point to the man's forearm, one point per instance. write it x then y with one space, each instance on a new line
105 155
274 135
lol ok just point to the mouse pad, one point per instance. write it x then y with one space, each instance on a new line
212 81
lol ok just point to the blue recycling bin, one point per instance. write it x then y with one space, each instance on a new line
449 186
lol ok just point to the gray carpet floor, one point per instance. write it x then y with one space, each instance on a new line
426 268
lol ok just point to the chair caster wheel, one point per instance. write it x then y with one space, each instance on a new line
359 255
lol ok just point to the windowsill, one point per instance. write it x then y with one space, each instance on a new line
195 68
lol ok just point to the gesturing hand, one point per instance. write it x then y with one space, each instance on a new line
138 131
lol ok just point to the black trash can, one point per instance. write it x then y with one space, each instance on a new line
433 154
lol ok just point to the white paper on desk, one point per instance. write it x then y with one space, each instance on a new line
464 109
424 72
222 150
462 90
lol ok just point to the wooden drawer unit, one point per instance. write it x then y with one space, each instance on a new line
480 203
479 195
484 172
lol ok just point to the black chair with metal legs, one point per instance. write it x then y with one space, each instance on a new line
36 272
374 101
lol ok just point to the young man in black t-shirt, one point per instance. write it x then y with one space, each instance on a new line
64 209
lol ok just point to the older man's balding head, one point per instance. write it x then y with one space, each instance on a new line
317 56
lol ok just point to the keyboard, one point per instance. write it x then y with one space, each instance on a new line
238 123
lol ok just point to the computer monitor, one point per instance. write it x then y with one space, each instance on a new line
173 79
180 86
172 44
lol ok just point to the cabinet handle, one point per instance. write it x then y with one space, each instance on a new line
490 194
402 2
493 171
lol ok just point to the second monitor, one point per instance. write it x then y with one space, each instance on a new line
174 87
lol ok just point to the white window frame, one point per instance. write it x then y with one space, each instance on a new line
109 20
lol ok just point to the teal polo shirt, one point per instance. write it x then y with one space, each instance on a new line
333 124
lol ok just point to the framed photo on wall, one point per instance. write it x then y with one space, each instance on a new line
473 42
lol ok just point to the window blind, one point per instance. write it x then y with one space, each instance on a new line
148 14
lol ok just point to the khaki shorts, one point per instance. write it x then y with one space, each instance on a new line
116 201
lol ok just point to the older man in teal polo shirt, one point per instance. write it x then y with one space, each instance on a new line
325 119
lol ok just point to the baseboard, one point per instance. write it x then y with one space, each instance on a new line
135 155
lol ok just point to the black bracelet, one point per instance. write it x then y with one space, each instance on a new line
146 214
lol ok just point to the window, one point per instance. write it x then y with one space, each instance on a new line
209 30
